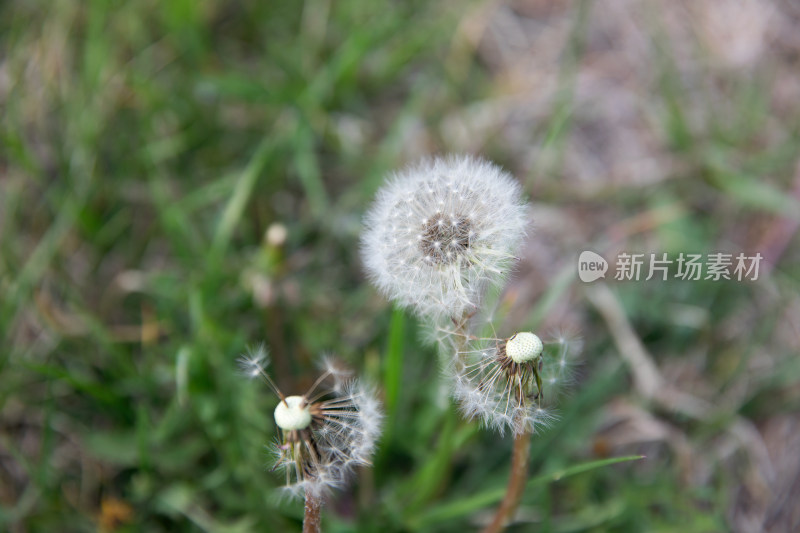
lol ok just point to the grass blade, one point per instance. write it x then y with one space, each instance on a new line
468 505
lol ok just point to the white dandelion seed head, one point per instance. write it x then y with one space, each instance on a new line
442 230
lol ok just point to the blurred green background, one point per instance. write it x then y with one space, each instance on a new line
180 179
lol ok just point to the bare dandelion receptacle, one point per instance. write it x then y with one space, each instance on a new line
524 347
292 414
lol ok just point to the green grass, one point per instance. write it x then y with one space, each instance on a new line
145 148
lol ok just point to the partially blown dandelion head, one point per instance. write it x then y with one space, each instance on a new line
325 432
503 382
439 231
324 440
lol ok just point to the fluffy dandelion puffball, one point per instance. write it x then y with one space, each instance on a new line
326 432
440 231
504 382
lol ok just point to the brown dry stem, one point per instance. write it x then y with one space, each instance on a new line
311 516
516 483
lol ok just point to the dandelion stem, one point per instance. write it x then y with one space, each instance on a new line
516 483
311 515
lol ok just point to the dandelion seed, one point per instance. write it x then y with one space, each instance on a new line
253 363
467 218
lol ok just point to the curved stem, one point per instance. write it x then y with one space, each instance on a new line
311 515
516 483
